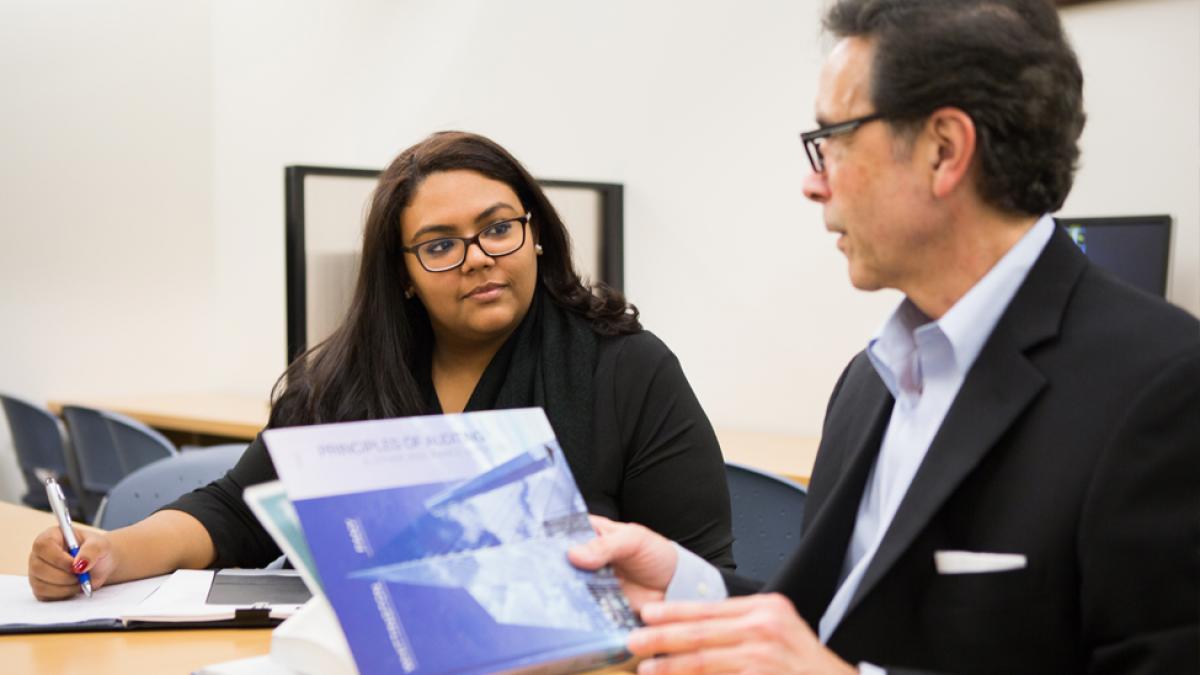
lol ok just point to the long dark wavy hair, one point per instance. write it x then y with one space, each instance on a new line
367 369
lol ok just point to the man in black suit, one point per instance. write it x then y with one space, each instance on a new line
1009 475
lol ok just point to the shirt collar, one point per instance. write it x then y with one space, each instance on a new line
969 322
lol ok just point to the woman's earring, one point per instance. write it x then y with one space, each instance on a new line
537 248
408 293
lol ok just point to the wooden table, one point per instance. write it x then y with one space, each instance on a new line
787 455
201 419
116 652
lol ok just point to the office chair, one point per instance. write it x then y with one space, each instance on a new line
38 441
157 484
95 453
137 444
768 512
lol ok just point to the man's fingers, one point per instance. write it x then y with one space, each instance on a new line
670 612
614 543
719 660
602 525
688 636
590 556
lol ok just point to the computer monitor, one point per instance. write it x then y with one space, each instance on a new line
1134 248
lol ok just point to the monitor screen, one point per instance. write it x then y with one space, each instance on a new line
1134 248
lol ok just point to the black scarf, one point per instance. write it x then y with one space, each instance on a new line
548 362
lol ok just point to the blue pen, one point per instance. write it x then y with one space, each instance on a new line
58 504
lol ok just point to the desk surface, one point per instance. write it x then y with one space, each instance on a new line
118 652
242 417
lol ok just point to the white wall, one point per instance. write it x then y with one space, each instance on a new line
695 112
106 239
1141 145
695 109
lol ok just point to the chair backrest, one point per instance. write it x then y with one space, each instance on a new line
155 485
137 444
38 442
100 466
768 513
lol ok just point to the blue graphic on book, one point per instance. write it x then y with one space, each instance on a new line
463 575
524 504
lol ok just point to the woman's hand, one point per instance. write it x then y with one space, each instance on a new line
53 572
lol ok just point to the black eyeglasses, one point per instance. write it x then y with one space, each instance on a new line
814 139
446 253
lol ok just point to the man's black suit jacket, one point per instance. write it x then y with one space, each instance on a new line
1074 441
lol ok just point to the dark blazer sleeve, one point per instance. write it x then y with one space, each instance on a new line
237 536
674 475
1139 537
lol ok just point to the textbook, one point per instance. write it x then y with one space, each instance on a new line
270 504
311 640
184 599
441 541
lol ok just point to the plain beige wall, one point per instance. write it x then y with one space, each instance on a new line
143 145
1141 145
106 201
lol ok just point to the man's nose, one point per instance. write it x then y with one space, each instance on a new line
816 187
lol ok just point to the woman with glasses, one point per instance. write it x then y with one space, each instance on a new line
467 299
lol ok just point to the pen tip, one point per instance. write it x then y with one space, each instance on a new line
87 588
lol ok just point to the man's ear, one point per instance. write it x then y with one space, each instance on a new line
951 150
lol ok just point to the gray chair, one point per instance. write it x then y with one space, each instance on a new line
768 512
155 485
95 452
39 443
137 444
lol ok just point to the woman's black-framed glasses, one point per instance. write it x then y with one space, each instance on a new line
814 139
446 253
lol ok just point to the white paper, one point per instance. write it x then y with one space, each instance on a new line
975 562
256 665
18 606
182 597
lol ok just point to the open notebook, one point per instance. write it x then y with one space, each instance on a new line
187 598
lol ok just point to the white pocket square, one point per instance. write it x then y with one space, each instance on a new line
974 562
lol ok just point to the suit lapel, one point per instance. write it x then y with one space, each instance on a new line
999 387
811 575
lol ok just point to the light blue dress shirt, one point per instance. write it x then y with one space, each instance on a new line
923 364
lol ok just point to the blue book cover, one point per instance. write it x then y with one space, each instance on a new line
441 543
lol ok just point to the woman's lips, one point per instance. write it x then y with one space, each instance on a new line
486 292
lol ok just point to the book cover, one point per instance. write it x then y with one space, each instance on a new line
441 543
